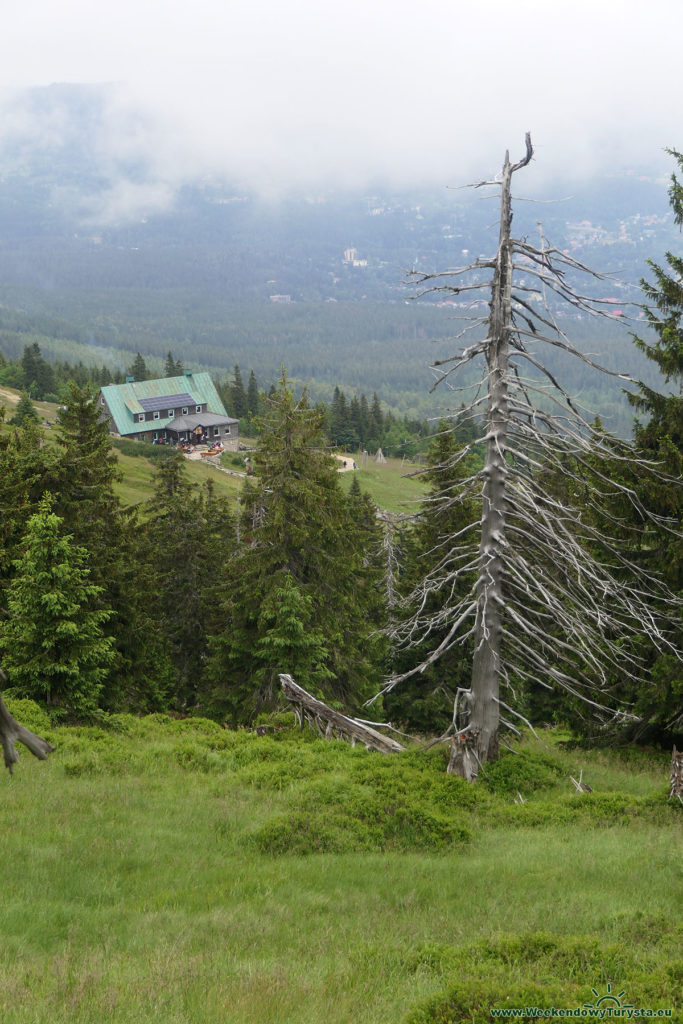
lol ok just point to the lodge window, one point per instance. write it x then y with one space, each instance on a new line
227 430
157 415
198 408
141 417
185 412
216 431
170 412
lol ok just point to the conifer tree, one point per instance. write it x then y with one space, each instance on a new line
188 539
85 497
376 425
240 406
138 369
52 644
172 367
659 436
299 546
27 469
25 411
252 395
39 377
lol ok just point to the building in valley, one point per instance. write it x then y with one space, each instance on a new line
169 410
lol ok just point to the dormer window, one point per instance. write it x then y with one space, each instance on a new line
141 417
157 415
198 408
171 413
185 411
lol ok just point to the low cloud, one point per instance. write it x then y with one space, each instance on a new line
307 95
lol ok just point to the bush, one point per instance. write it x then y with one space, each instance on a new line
331 815
523 772
505 972
142 450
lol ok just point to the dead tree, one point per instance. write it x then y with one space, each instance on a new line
333 724
553 594
11 732
676 777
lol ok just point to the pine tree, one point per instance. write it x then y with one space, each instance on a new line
138 369
25 411
172 367
188 540
239 395
52 644
659 698
364 421
299 545
252 395
376 422
27 469
85 497
39 377
661 436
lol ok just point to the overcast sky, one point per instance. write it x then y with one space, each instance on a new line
309 91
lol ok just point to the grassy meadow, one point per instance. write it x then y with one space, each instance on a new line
162 870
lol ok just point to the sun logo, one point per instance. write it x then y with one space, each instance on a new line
609 999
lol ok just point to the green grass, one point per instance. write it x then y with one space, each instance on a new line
390 485
137 485
158 870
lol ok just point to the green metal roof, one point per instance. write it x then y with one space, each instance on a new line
123 400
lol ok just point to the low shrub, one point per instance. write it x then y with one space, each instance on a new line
142 449
537 969
332 815
523 771
471 1001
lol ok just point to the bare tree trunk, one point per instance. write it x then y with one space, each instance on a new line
11 731
486 664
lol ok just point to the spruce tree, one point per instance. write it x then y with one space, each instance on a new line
188 538
27 468
299 546
659 436
39 376
25 411
172 367
53 646
86 498
376 425
252 395
239 396
138 369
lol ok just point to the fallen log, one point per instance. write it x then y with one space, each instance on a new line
12 731
333 724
